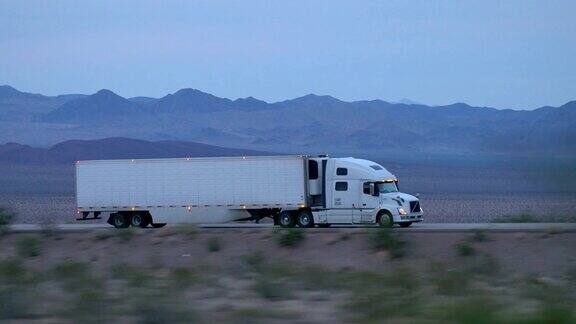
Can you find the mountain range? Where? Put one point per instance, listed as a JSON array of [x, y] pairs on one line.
[[311, 123]]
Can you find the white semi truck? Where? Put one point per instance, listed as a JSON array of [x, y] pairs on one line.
[[302, 191]]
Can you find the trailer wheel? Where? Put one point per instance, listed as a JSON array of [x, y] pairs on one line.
[[305, 219], [286, 219], [138, 220], [405, 224], [385, 219], [120, 220]]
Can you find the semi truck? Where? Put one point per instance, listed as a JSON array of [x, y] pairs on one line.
[[301, 190]]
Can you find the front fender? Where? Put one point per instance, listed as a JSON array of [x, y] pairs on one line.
[[391, 208]]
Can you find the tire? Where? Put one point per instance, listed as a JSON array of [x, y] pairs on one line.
[[120, 220], [138, 220], [324, 225], [305, 219], [385, 219], [158, 225], [405, 224], [286, 219]]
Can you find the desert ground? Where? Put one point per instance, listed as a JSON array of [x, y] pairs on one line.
[[187, 274]]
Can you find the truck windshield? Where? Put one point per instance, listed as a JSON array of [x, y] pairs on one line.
[[386, 187]]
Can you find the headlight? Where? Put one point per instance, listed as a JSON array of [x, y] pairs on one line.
[[401, 211]]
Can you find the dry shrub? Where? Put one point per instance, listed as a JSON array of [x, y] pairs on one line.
[[28, 247], [6, 217], [290, 237], [384, 239]]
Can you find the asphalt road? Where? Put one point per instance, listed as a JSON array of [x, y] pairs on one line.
[[422, 227]]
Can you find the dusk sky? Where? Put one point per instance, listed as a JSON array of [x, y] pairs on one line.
[[504, 54]]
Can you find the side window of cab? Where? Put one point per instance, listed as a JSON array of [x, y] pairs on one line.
[[341, 171], [341, 186]]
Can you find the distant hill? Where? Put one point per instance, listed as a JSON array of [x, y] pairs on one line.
[[23, 106], [406, 101], [14, 153], [190, 101], [112, 148], [311, 123], [94, 108], [142, 100]]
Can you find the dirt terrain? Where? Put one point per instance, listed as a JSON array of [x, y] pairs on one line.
[[182, 274]]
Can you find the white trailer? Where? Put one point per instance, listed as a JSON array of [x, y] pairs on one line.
[[293, 190]]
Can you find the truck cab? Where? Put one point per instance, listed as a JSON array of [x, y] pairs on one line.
[[358, 191]]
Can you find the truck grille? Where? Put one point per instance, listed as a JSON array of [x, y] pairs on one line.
[[414, 206]]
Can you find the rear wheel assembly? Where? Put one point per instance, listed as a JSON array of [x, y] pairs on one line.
[[138, 220], [120, 220], [305, 219], [286, 219]]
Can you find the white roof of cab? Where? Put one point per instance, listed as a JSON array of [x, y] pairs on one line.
[[362, 169]]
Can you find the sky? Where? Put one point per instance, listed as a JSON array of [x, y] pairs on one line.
[[503, 54]]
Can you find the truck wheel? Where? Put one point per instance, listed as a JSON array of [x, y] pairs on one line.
[[305, 219], [286, 219], [405, 224], [120, 221], [138, 220], [385, 219]]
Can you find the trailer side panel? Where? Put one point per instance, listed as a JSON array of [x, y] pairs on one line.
[[276, 181]]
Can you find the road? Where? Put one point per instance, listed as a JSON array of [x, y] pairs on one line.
[[423, 227]]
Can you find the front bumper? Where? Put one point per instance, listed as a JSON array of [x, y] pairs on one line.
[[412, 217]]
